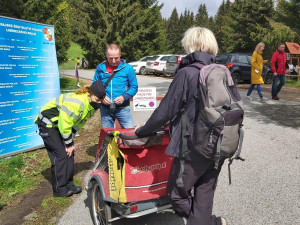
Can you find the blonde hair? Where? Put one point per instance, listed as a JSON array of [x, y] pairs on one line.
[[200, 39], [84, 89], [260, 44]]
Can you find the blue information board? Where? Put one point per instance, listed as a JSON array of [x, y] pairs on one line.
[[29, 78]]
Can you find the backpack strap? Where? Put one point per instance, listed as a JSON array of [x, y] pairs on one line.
[[110, 78], [183, 147], [196, 65], [238, 152]]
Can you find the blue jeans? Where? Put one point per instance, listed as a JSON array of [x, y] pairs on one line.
[[108, 117], [275, 86], [258, 88]]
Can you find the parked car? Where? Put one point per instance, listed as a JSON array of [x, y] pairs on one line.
[[239, 65], [140, 65], [156, 64], [172, 64]]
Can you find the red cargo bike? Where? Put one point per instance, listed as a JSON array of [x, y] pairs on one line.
[[130, 176]]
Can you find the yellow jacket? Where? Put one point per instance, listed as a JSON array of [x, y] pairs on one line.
[[68, 112], [256, 68]]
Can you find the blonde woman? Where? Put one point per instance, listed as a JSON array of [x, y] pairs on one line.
[[58, 122], [199, 173], [256, 71]]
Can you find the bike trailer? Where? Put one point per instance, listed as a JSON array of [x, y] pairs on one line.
[[138, 169]]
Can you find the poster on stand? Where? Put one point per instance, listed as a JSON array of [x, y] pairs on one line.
[[29, 78], [145, 99]]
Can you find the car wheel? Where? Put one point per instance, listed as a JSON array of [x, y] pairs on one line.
[[235, 78], [268, 78], [101, 212], [142, 70], [168, 74]]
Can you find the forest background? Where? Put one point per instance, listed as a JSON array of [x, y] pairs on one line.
[[138, 27]]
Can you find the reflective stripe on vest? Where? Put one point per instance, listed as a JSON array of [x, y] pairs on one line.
[[66, 136], [69, 113], [45, 119]]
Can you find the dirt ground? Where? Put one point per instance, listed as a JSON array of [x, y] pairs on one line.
[[86, 145]]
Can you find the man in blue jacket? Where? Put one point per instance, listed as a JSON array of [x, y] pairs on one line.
[[119, 90]]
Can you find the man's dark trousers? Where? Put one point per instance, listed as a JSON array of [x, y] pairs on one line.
[[62, 166], [203, 177]]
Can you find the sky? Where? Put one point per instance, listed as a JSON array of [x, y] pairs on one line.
[[212, 6]]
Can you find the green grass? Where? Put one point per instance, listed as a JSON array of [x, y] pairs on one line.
[[69, 84], [73, 52], [21, 173], [293, 83]]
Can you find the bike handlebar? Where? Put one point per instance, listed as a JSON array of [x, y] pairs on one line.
[[133, 137]]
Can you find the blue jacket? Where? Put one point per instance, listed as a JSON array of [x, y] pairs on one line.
[[124, 82]]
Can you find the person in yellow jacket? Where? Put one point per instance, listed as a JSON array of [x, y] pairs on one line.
[[58, 122], [256, 71]]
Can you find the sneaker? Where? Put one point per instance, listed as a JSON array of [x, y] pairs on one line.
[[263, 100], [275, 98], [248, 98], [223, 221]]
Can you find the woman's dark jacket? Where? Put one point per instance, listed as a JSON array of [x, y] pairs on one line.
[[180, 92]]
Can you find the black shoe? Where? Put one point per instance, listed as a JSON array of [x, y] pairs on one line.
[[75, 189], [62, 194]]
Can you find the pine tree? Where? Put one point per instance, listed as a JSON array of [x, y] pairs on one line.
[[137, 28], [242, 30], [173, 32], [202, 19], [12, 8], [288, 13], [53, 12], [221, 19]]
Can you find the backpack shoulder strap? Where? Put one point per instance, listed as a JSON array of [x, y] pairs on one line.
[[197, 65], [183, 147], [110, 78]]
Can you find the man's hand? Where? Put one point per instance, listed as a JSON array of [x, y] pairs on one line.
[[265, 61], [275, 74], [119, 100], [106, 101], [70, 150]]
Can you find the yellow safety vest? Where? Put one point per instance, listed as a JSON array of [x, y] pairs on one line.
[[68, 112]]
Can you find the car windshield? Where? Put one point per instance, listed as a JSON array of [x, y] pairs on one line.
[[173, 58], [222, 58], [153, 58], [164, 58], [145, 58], [242, 59]]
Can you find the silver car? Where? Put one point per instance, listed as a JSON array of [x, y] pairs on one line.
[[156, 64], [172, 64]]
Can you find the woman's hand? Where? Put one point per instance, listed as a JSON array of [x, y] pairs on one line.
[[137, 127], [70, 150]]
